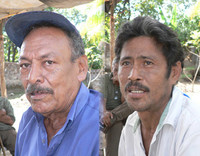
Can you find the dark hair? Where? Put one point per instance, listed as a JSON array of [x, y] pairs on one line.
[[76, 42], [163, 35]]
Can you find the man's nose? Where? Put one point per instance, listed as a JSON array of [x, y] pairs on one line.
[[135, 73], [35, 75]]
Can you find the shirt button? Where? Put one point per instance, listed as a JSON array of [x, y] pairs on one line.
[[43, 141]]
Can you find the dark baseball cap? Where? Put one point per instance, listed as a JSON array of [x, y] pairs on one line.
[[18, 26]]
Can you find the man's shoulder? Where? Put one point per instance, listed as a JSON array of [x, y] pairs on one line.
[[185, 105], [4, 100], [184, 113], [26, 117], [95, 99], [190, 111], [5, 103]]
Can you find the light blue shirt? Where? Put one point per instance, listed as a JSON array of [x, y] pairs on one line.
[[78, 137]]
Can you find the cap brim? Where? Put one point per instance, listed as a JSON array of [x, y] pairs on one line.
[[19, 25]]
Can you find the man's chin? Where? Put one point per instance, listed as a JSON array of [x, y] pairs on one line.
[[135, 104], [40, 110]]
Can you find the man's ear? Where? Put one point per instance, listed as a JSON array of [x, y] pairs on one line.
[[176, 72], [83, 67]]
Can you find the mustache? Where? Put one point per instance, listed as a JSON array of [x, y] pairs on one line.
[[34, 88], [137, 85]]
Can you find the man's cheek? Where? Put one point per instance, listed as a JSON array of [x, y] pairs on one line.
[[24, 81]]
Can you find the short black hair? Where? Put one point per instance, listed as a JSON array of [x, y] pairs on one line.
[[162, 34]]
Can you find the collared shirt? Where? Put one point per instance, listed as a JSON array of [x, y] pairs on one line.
[[78, 137], [5, 104], [111, 92], [177, 134]]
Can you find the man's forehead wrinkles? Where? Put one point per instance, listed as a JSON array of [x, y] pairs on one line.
[[48, 55], [38, 57], [138, 57]]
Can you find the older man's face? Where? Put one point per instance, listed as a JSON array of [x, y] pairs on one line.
[[49, 77]]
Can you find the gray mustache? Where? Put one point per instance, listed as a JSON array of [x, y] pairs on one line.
[[137, 85], [34, 88]]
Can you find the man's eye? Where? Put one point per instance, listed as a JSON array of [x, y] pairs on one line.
[[49, 62], [125, 63], [24, 65], [146, 63]]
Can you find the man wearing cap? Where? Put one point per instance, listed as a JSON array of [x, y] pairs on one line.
[[64, 115]]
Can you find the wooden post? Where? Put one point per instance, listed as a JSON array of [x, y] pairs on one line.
[[2, 63], [112, 31], [1, 144]]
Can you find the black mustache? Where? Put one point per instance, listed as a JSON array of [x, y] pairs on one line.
[[137, 85], [33, 88]]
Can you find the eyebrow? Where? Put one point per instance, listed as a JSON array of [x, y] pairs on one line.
[[125, 58], [23, 58], [49, 55], [140, 57]]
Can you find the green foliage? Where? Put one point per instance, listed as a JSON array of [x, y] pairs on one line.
[[11, 53], [185, 26], [93, 54], [93, 27], [122, 14], [194, 41], [194, 36], [73, 14], [181, 15], [173, 19], [146, 7], [92, 33]]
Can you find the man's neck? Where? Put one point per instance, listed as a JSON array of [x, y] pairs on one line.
[[53, 123], [149, 122]]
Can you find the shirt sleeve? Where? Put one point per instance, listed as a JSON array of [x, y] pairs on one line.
[[190, 146]]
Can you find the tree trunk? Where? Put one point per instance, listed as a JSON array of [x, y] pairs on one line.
[[2, 62], [196, 73], [112, 31], [14, 52], [9, 54]]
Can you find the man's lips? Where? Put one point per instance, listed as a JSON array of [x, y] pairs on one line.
[[135, 92], [136, 89], [38, 95], [38, 92]]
